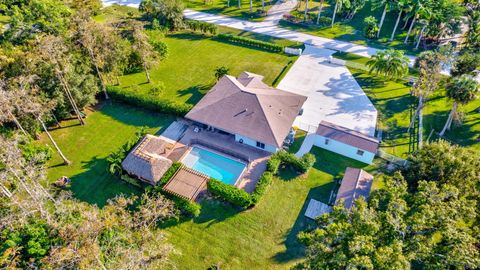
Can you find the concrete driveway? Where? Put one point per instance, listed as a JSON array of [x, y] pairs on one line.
[[333, 94]]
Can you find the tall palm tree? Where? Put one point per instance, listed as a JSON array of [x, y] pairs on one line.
[[338, 7], [461, 90], [320, 11], [387, 5], [419, 10], [306, 11], [401, 5], [392, 64]]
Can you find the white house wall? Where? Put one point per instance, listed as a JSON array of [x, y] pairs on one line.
[[251, 142], [344, 149]]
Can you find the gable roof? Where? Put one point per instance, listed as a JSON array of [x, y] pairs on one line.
[[145, 160], [246, 106], [348, 136], [355, 183]]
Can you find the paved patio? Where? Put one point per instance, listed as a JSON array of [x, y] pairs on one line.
[[226, 144]]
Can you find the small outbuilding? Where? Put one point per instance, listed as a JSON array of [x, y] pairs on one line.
[[346, 142], [355, 183], [146, 160], [187, 183]]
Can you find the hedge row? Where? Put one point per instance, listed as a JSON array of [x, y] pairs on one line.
[[265, 180], [302, 164], [251, 42], [169, 173], [203, 27], [146, 101], [229, 193]]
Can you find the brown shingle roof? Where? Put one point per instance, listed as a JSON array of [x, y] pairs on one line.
[[145, 160], [355, 183], [187, 183], [250, 108], [348, 136]]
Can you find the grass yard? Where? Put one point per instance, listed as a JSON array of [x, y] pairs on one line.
[[87, 146], [188, 72], [393, 101], [263, 237], [297, 143], [260, 238], [352, 31], [230, 8]]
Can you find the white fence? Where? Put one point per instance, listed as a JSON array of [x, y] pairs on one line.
[[305, 127], [336, 61], [391, 158], [293, 51]]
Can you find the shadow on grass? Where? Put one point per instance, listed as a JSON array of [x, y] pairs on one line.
[[196, 92], [187, 36]]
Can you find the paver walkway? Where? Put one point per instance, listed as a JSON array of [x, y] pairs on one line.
[[333, 94], [307, 144]]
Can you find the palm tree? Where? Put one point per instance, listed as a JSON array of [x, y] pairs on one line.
[[401, 5], [392, 64], [338, 6], [7, 107], [387, 5], [419, 10], [65, 160], [424, 24], [306, 11], [251, 6], [461, 90], [320, 11]]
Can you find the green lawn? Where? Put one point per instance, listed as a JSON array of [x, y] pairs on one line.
[[221, 7], [188, 72], [87, 147], [260, 238], [352, 31], [297, 143], [263, 237], [393, 102]]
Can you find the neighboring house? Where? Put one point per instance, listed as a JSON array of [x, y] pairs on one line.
[[346, 142], [245, 107], [355, 183], [146, 162]]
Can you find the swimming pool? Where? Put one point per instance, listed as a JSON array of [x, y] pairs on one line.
[[214, 165]]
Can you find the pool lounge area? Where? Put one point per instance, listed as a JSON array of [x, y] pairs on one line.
[[213, 164]]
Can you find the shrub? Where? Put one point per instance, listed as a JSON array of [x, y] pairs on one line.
[[273, 164], [115, 159], [325, 21], [155, 24], [39, 154], [229, 193], [220, 72], [157, 89], [202, 27], [169, 173], [370, 27], [161, 48], [146, 101], [130, 180], [187, 207], [262, 184], [250, 42]]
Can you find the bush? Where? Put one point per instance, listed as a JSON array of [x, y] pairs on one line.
[[370, 27], [39, 154], [187, 207], [202, 27], [161, 48], [146, 101], [324, 21], [130, 180], [169, 173], [250, 42], [262, 184], [273, 164], [115, 159], [221, 71], [157, 89], [229, 193]]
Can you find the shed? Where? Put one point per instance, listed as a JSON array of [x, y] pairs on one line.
[[355, 183]]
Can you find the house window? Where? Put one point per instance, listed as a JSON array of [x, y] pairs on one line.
[[260, 145], [360, 152], [327, 141]]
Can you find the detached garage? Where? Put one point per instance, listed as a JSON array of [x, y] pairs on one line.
[[346, 142]]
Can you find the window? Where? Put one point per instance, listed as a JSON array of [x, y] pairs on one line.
[[260, 145], [327, 141], [360, 152]]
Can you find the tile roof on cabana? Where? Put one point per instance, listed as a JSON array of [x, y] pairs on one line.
[[355, 183], [146, 162], [187, 184], [247, 106]]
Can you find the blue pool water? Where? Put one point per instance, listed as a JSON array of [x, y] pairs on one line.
[[214, 165]]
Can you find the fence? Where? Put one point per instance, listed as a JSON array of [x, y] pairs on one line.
[[391, 158], [292, 51], [306, 127]]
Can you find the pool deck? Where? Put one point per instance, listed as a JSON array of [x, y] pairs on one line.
[[226, 144]]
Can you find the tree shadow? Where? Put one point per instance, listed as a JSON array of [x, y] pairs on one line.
[[187, 36], [196, 92]]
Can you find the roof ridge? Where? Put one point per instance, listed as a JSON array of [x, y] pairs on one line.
[[268, 120], [353, 133]]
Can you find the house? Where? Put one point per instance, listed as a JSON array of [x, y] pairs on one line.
[[346, 142], [245, 107], [355, 183], [147, 161]]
